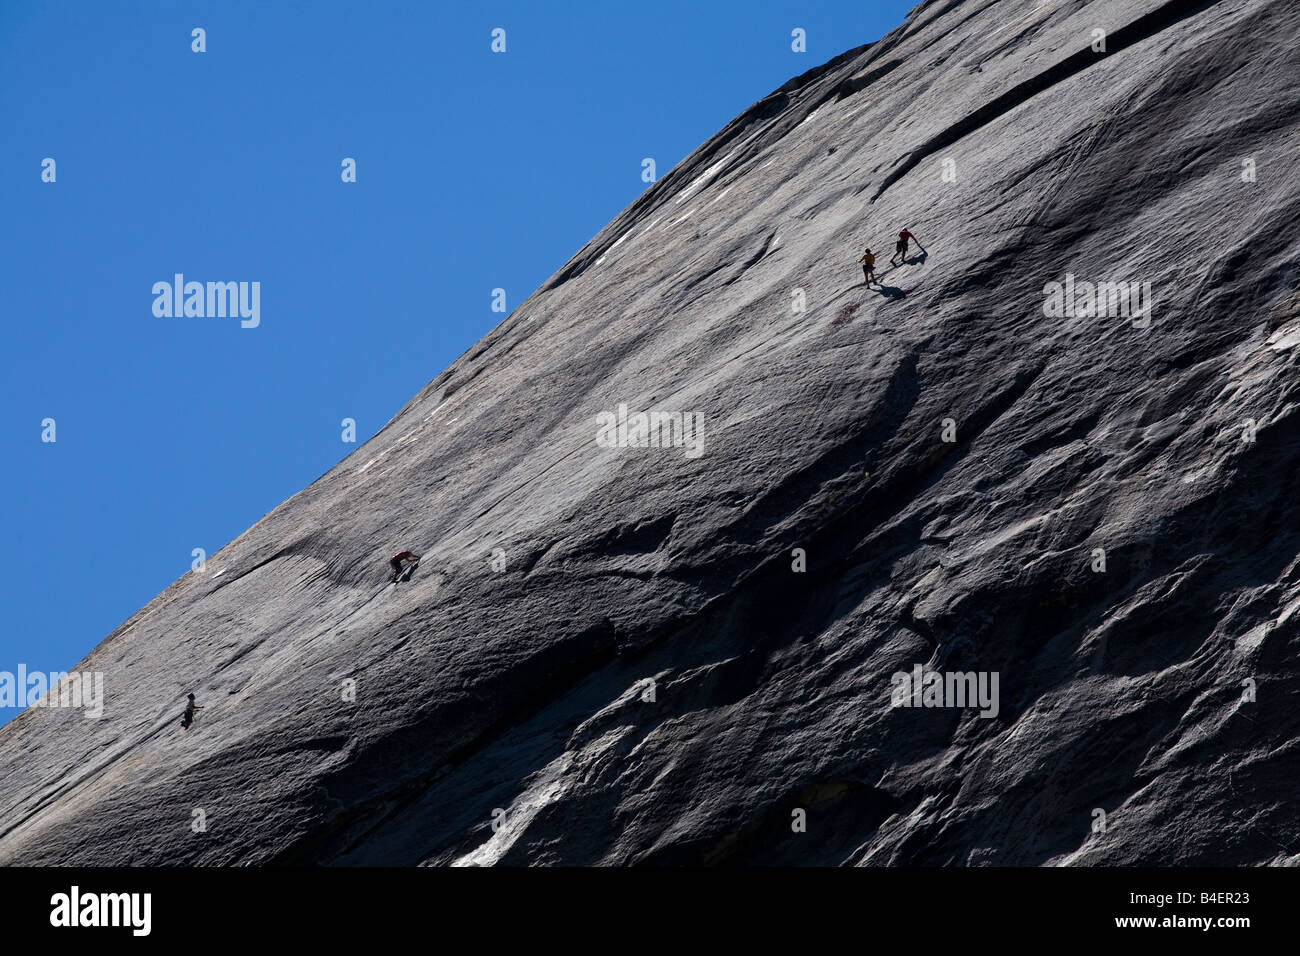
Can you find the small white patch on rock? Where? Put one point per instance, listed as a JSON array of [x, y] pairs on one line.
[[1285, 338]]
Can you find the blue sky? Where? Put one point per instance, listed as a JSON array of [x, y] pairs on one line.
[[475, 171]]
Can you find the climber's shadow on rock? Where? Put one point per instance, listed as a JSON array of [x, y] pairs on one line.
[[890, 291], [406, 575]]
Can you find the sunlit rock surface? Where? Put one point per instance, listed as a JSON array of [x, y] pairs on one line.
[[615, 647]]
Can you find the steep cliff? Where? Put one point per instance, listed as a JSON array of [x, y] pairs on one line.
[[661, 654]]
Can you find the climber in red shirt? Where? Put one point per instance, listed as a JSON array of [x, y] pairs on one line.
[[900, 248], [396, 562]]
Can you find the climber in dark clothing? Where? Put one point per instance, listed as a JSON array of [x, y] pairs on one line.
[[190, 708], [900, 247], [396, 562]]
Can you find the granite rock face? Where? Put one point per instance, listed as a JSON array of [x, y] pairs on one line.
[[674, 655]]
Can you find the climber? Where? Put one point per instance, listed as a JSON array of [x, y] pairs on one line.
[[901, 248], [396, 562], [868, 266], [190, 708]]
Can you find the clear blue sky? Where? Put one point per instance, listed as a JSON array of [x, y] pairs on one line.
[[474, 171]]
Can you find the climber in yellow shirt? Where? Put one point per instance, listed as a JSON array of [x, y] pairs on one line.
[[869, 266]]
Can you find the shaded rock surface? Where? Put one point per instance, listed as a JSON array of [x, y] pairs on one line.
[[525, 689]]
